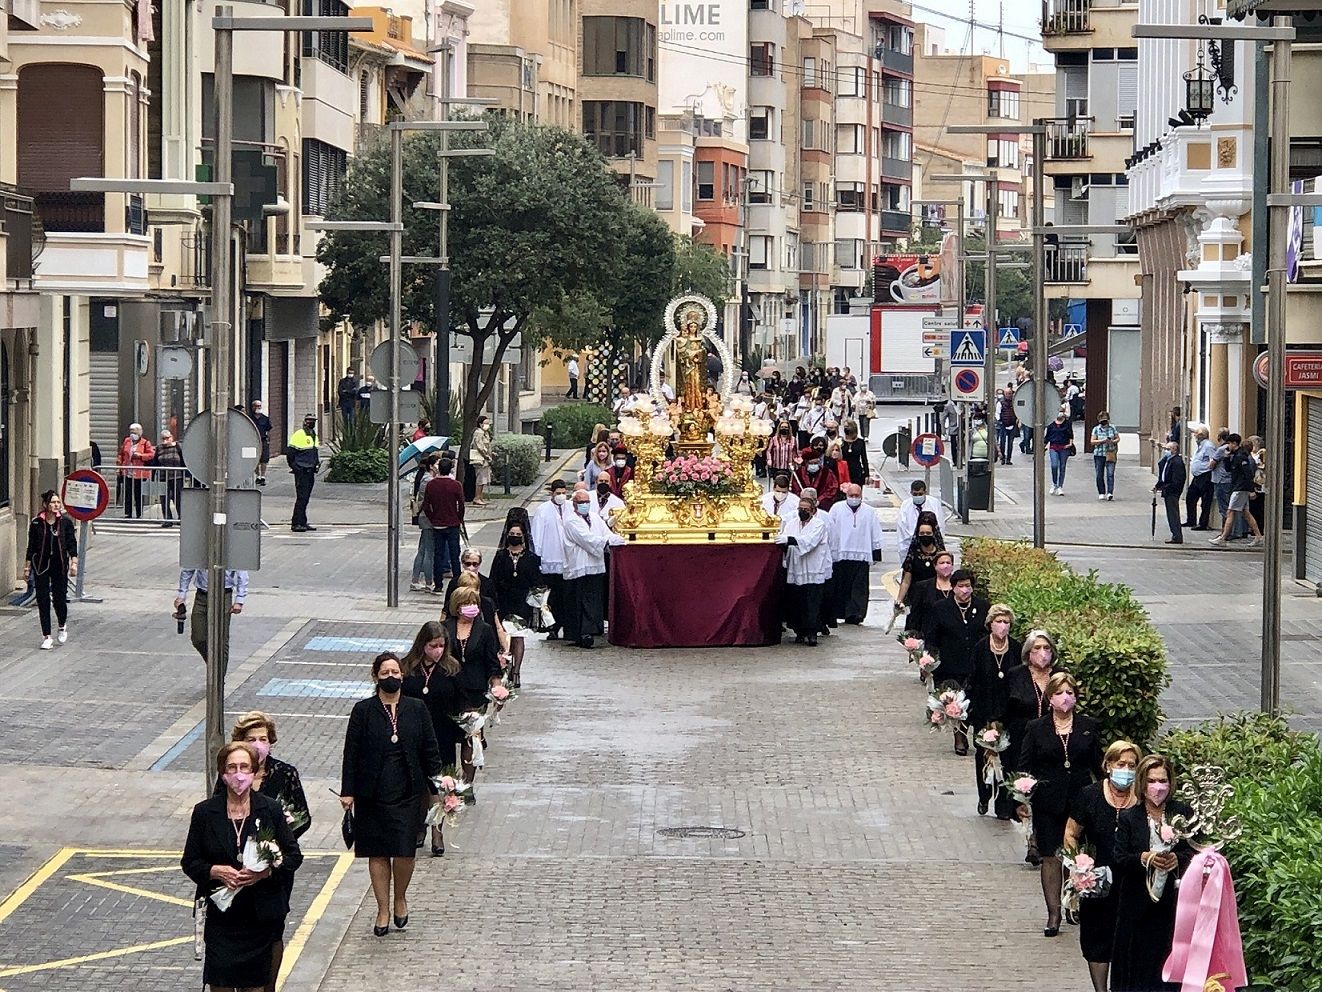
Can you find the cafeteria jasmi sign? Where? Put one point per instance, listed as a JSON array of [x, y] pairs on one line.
[[1303, 370]]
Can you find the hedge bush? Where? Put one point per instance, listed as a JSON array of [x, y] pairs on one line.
[[370, 465], [1247, 746], [572, 423], [1102, 632], [523, 453]]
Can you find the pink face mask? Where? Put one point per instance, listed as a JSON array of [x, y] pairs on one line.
[[1040, 657], [434, 653], [239, 782], [1000, 628], [262, 748], [945, 569], [1062, 702], [470, 612], [1157, 792]]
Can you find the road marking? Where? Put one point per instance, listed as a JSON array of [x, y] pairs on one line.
[[35, 881], [98, 879], [316, 689], [119, 952], [364, 644], [313, 916]]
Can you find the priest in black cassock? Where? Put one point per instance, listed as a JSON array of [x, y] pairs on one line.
[[586, 539], [855, 545], [953, 629]]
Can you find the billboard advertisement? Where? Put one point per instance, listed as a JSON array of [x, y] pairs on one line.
[[702, 46]]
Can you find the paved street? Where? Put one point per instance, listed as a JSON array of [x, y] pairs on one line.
[[836, 843]]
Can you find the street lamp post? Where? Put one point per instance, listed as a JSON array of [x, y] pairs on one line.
[[1279, 201]]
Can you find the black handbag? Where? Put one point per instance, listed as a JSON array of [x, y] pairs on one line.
[[346, 829]]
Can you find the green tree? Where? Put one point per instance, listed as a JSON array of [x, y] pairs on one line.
[[702, 269], [537, 228]]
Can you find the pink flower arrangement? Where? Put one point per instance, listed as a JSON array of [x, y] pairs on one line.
[[991, 735], [690, 474], [938, 719], [950, 705], [1167, 834], [1084, 861], [1025, 783], [912, 644], [1020, 785], [451, 802], [953, 710], [499, 692], [447, 783]]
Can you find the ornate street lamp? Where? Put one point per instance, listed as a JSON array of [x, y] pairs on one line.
[[1198, 90]]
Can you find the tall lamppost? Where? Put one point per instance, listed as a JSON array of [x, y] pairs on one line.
[[1279, 201]]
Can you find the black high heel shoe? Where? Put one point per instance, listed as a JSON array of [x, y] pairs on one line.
[[401, 921], [1050, 931], [438, 850], [380, 931]]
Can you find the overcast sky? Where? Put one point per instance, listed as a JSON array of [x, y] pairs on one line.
[[1020, 18]]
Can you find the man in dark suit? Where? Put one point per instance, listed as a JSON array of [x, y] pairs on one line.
[[1171, 474]]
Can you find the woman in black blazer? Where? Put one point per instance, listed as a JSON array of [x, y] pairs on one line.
[[516, 570], [51, 560], [1145, 926], [995, 658], [1026, 700], [242, 941], [1063, 751], [475, 645], [390, 756], [431, 674]]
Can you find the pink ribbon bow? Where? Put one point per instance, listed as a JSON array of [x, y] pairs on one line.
[[1207, 942]]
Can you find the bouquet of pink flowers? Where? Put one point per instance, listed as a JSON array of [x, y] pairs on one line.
[[449, 803], [1084, 878], [1020, 785], [690, 475], [1162, 838], [913, 645], [928, 663], [993, 739], [948, 707]]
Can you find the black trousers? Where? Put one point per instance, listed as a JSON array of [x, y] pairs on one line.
[[51, 586], [585, 606], [304, 479], [573, 388], [174, 488], [132, 497], [805, 608], [1172, 501], [197, 627], [1201, 491], [849, 587]]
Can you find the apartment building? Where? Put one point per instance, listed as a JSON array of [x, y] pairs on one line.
[[1089, 138], [524, 55]]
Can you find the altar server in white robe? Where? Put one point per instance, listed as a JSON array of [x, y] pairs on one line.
[[855, 545], [605, 503], [779, 503], [807, 567], [548, 537], [586, 539]]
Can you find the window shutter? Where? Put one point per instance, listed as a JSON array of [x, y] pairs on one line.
[[1126, 97]]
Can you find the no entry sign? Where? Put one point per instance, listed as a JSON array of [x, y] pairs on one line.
[[965, 385], [85, 494], [928, 449]]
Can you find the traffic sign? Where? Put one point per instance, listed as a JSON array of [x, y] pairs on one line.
[[243, 528], [378, 408], [1072, 331], [1303, 369], [968, 346], [379, 362], [1025, 402], [940, 323], [85, 494], [966, 385], [928, 449], [934, 351], [935, 337], [241, 437], [1008, 338], [1260, 369]]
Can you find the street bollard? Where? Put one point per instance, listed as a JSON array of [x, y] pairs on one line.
[[508, 463], [550, 430]]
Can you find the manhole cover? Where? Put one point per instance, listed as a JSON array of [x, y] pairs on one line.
[[719, 833]]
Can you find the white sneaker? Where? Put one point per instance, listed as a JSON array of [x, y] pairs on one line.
[[416, 586], [62, 635], [1110, 497], [47, 644], [1101, 496], [1218, 540], [1060, 491], [1255, 542]]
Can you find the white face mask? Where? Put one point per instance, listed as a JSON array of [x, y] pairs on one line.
[[559, 499], [621, 462], [854, 501], [135, 438]]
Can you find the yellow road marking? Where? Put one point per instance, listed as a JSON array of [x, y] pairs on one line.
[[112, 853], [120, 952], [94, 878], [36, 881], [312, 917]]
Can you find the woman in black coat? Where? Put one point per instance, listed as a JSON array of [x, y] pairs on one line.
[[242, 941], [1095, 819], [954, 627], [475, 645], [516, 571], [1144, 925], [1063, 751], [390, 756], [919, 565], [995, 659], [51, 560]]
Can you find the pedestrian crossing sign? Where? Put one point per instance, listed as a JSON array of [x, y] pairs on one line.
[[1009, 338], [968, 346]]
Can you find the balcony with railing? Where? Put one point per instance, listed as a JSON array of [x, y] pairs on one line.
[[87, 250], [896, 168], [1068, 139], [892, 114], [1066, 262], [1066, 17], [895, 60], [896, 221]]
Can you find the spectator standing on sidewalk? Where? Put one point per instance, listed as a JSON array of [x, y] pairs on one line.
[[479, 456], [1242, 471], [236, 592], [421, 579], [571, 368], [1170, 486], [51, 560], [170, 457], [1258, 501], [1059, 439], [1221, 475], [1007, 425], [347, 393], [1201, 490], [135, 451], [304, 459], [264, 425], [1105, 448], [443, 503]]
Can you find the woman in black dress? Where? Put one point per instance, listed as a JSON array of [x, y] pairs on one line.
[[995, 658], [1026, 692], [276, 780], [1063, 751], [854, 452], [516, 570], [1095, 819], [1145, 925], [430, 669], [919, 566], [954, 627], [390, 754], [241, 941], [474, 644]]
